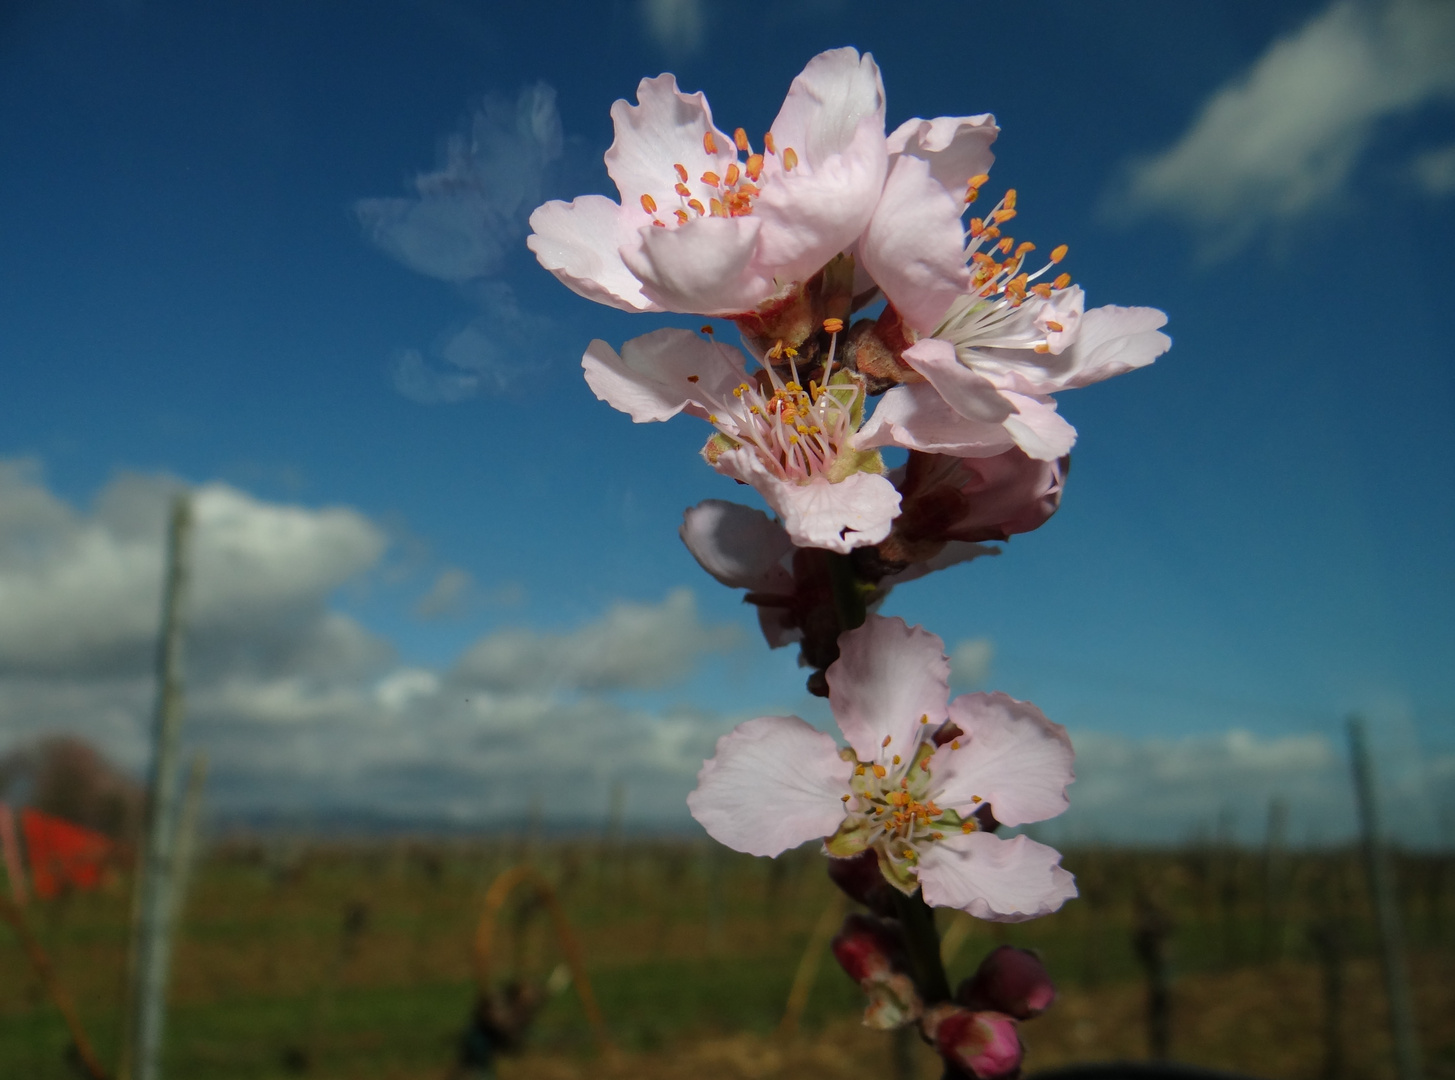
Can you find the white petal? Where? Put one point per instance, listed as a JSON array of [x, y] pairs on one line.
[[888, 675], [1010, 756], [1113, 340], [664, 130], [581, 242], [657, 375], [995, 879], [858, 510], [916, 417], [773, 783], [914, 246], [956, 147], [821, 115], [1038, 428], [704, 267], [743, 548], [970, 394]]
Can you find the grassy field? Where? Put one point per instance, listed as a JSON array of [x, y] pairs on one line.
[[334, 960]]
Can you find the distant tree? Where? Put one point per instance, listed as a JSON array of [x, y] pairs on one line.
[[66, 776]]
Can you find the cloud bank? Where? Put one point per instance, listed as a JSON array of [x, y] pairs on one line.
[[1281, 140]]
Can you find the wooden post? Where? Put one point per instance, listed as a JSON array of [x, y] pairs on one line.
[[155, 893], [1386, 910]]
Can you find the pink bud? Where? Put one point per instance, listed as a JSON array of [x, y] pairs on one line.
[[984, 1044], [872, 952], [1009, 980]]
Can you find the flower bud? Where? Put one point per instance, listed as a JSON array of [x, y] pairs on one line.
[[860, 878], [872, 952], [1009, 980], [983, 1044]]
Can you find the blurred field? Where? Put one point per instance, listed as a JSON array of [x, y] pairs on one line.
[[353, 961]]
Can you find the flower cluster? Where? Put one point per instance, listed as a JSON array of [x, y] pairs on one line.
[[876, 308]]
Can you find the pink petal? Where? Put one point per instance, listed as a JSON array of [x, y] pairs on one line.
[[1038, 428], [956, 147], [1010, 756], [1113, 340], [995, 879], [858, 510], [704, 267], [657, 375], [914, 247], [580, 242], [815, 211], [969, 393], [835, 92], [888, 675], [914, 416], [664, 130], [743, 548], [772, 784]]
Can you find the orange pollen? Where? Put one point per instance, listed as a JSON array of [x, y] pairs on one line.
[[681, 172], [694, 378], [754, 168], [1061, 281], [1025, 247], [978, 180], [693, 204], [896, 759], [709, 143], [993, 231], [1006, 244], [768, 143], [707, 329], [976, 799], [886, 740], [683, 190], [845, 797], [740, 138], [681, 216], [955, 744], [977, 226], [649, 204], [1010, 199], [717, 209], [659, 223], [833, 326], [732, 174], [1054, 326], [711, 179], [790, 159], [1043, 348], [880, 771], [1003, 215], [1043, 290], [968, 827], [971, 195], [1058, 253], [859, 771]]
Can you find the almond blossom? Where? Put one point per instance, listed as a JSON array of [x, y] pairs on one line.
[[709, 224], [984, 339], [790, 441], [776, 782]]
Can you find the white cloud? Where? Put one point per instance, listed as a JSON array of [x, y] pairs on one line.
[[634, 646], [464, 216], [676, 26], [970, 662], [1282, 139], [1434, 170], [447, 596]]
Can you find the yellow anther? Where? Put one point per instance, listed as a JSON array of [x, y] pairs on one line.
[[1002, 215], [740, 138], [860, 770], [649, 204], [937, 836], [978, 180], [976, 799], [954, 744], [1042, 348], [925, 719], [790, 159], [711, 179], [707, 328], [711, 419], [1010, 199], [683, 190], [715, 205], [1026, 246], [693, 204], [709, 143], [924, 766], [896, 759], [833, 326], [754, 168], [977, 226], [879, 771], [845, 798], [681, 172], [1062, 280], [968, 827], [1006, 244], [693, 378], [1054, 326], [887, 737], [681, 216], [1042, 289], [993, 231], [731, 176], [768, 143], [1058, 253], [971, 195]]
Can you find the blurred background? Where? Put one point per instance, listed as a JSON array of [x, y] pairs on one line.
[[440, 621]]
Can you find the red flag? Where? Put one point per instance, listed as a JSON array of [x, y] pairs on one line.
[[62, 855]]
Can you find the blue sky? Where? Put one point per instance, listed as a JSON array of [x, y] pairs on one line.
[[1256, 534]]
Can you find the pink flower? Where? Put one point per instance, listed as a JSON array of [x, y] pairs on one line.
[[776, 782], [707, 225], [790, 442], [984, 1044], [1011, 981], [986, 341]]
